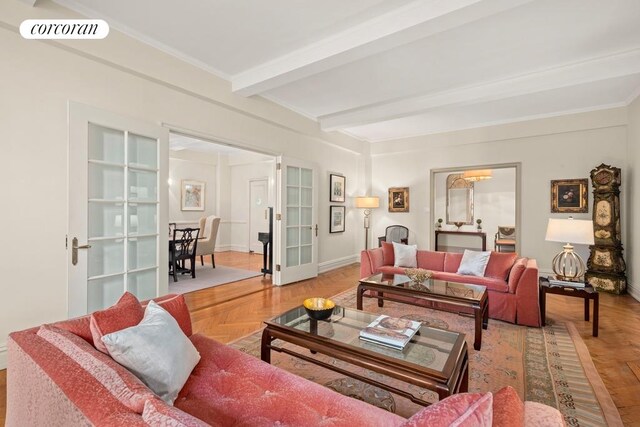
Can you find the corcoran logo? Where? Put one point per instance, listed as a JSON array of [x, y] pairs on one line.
[[64, 29]]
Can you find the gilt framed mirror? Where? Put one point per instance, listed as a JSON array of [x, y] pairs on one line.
[[459, 200]]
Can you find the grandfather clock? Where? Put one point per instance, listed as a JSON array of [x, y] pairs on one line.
[[606, 266]]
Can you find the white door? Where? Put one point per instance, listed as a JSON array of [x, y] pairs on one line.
[[258, 212], [117, 207], [296, 245]]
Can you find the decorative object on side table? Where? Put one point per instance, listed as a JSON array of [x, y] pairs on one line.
[[399, 199], [193, 195], [439, 224], [606, 266], [570, 196], [337, 188], [418, 275], [319, 308], [458, 224], [367, 203], [336, 218], [568, 265], [479, 222]]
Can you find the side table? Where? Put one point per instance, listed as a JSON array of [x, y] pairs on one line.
[[587, 293]]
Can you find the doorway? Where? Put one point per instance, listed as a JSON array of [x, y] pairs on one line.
[[258, 212]]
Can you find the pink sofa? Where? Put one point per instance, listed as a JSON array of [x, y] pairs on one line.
[[512, 282], [57, 377]]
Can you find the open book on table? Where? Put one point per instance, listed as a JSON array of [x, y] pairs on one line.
[[390, 331]]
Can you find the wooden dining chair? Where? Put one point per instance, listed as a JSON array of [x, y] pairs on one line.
[[182, 248]]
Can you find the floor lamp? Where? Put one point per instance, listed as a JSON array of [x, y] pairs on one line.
[[367, 203]]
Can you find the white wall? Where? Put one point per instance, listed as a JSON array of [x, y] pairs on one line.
[[122, 75], [494, 203], [553, 148], [193, 166], [632, 248]]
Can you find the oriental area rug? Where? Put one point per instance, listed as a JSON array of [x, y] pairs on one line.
[[550, 365]]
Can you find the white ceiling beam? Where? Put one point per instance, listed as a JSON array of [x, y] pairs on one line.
[[417, 20], [31, 3], [602, 68]]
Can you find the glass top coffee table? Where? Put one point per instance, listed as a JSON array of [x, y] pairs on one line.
[[469, 298], [435, 359]]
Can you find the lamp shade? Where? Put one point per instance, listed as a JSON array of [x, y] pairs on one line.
[[577, 231], [477, 175], [367, 202]]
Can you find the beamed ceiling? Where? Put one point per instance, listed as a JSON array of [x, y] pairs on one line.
[[388, 69]]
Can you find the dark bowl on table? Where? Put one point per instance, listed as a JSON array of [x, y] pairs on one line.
[[319, 308]]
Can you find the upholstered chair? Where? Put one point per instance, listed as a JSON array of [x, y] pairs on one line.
[[395, 233], [505, 239], [207, 244]]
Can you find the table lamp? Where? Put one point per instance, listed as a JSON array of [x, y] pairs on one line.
[[367, 203], [568, 265]]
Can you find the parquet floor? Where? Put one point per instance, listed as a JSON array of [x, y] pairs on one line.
[[231, 311]]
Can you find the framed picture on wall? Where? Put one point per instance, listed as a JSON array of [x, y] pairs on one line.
[[399, 199], [192, 195], [337, 188], [570, 196], [336, 219]]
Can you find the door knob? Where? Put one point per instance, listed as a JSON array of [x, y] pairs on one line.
[[74, 250]]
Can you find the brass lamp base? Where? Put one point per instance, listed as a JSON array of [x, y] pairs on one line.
[[568, 265]]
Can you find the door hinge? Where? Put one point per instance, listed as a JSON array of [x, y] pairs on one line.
[[277, 267], [278, 166], [278, 217]]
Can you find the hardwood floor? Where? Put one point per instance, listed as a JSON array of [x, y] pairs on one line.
[[231, 311]]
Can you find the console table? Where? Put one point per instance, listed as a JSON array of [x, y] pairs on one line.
[[481, 234]]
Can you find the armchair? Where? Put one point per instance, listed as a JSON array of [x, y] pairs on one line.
[[207, 244], [505, 239], [395, 233]]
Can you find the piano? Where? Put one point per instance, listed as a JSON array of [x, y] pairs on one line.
[[267, 241]]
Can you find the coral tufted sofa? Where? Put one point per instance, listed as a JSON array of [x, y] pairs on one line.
[[512, 281], [56, 377]]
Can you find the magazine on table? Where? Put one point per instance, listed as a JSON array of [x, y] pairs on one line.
[[390, 331], [556, 282]]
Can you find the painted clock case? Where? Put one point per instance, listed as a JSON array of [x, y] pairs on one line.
[[606, 267]]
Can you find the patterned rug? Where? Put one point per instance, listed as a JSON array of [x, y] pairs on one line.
[[549, 365]]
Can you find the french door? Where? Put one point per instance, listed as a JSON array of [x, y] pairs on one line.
[[117, 207], [297, 228]]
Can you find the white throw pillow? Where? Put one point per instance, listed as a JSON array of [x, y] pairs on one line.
[[474, 263], [156, 351], [405, 255]]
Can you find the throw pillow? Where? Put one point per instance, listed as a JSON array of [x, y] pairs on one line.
[[387, 253], [500, 264], [508, 409], [405, 255], [156, 351], [473, 263], [123, 314], [460, 410], [177, 307]]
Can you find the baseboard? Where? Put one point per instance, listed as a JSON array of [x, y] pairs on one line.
[[323, 267], [234, 248], [3, 356], [633, 291]]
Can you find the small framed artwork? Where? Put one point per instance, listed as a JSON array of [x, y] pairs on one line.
[[192, 195], [336, 218], [399, 199], [570, 196], [337, 187]]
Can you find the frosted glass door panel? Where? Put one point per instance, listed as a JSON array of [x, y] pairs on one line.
[[292, 236], [106, 182], [142, 252], [143, 152], [106, 219], [307, 216], [306, 177], [305, 237], [307, 196], [106, 145], [292, 257], [293, 216], [104, 292], [106, 257], [143, 283], [293, 196], [306, 254], [143, 186], [143, 219]]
